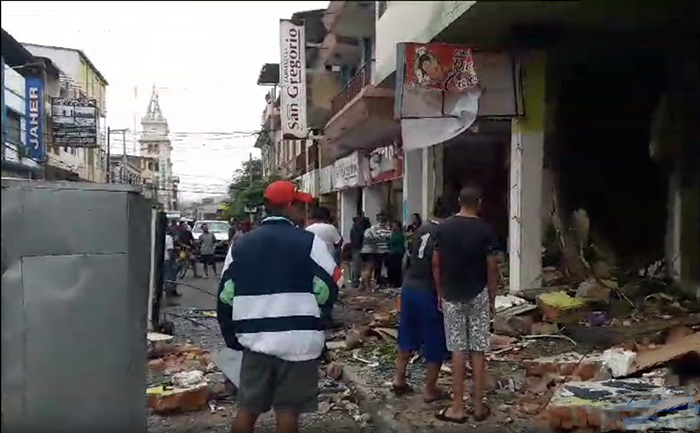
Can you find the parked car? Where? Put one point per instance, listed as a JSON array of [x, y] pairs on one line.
[[220, 231]]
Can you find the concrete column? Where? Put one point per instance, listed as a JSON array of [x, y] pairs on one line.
[[347, 200], [427, 181], [412, 183], [527, 152], [372, 202]]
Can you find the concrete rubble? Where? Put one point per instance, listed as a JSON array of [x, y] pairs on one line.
[[570, 356]]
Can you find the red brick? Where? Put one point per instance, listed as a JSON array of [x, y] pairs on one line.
[[579, 418], [594, 417], [586, 371], [567, 417], [554, 414], [180, 400]]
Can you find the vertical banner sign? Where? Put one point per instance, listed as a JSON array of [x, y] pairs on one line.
[[293, 79], [35, 118]]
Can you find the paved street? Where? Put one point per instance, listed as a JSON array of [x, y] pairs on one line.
[[204, 294], [191, 324]]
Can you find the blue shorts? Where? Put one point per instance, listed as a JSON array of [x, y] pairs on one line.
[[421, 325]]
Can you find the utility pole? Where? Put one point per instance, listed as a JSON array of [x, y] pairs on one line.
[[124, 165], [109, 162], [124, 160], [250, 168]]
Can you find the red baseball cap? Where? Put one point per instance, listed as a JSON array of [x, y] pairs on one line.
[[284, 193]]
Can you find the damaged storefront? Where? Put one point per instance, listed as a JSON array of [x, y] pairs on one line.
[[384, 192]]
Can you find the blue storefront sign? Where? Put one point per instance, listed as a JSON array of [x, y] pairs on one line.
[[36, 149], [2, 95]]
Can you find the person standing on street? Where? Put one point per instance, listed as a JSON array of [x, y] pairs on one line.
[[394, 259], [320, 225], [207, 246], [169, 270], [421, 326], [231, 231], [277, 279], [186, 241], [378, 236], [357, 236], [243, 228], [466, 268]]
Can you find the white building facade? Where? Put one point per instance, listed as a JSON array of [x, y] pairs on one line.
[[79, 79], [155, 143]]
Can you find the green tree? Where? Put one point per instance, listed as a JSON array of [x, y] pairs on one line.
[[246, 189]]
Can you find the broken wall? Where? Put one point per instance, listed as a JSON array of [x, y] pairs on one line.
[[599, 134]]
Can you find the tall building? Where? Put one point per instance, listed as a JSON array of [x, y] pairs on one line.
[[155, 143], [79, 78]]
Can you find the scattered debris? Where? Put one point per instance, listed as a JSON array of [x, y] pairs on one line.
[[168, 399], [554, 305], [620, 405]]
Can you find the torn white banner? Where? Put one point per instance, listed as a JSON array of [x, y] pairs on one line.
[[462, 109]]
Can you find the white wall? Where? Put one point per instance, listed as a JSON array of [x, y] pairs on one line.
[[67, 61], [411, 21]]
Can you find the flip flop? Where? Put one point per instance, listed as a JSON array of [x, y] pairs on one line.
[[399, 390], [441, 396], [484, 415], [442, 416]]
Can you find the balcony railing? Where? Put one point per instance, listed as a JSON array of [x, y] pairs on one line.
[[362, 79]]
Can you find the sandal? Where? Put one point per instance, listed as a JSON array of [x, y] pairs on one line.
[[484, 415], [400, 390], [441, 415]]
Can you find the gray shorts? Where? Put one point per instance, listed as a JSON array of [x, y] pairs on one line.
[[268, 382], [468, 324]]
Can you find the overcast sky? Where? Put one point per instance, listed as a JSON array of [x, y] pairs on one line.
[[203, 56]]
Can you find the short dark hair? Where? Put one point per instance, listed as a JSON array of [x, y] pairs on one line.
[[441, 209], [321, 213], [470, 196], [272, 209]]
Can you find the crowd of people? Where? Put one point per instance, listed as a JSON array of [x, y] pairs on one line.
[[281, 278]]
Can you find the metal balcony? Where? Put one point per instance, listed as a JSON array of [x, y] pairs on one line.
[[362, 79]]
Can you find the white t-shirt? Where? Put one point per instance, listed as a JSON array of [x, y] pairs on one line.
[[168, 246], [328, 234]]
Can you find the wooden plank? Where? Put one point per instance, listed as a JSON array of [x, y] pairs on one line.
[[666, 353]]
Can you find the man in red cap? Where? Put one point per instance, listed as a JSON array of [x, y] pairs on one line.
[[276, 280]]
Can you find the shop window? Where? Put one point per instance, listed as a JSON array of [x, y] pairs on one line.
[[14, 128]]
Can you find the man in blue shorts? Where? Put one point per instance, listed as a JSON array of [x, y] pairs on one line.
[[421, 325]]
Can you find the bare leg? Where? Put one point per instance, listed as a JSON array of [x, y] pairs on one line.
[[456, 410], [402, 360], [479, 379], [431, 391], [244, 422], [287, 422]]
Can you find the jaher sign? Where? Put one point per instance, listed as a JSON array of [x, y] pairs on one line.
[[35, 115]]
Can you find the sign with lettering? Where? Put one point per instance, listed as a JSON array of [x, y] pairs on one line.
[[293, 79], [74, 122], [386, 163], [35, 143], [348, 172]]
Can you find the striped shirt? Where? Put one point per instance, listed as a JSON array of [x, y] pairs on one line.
[[377, 239], [275, 279]]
